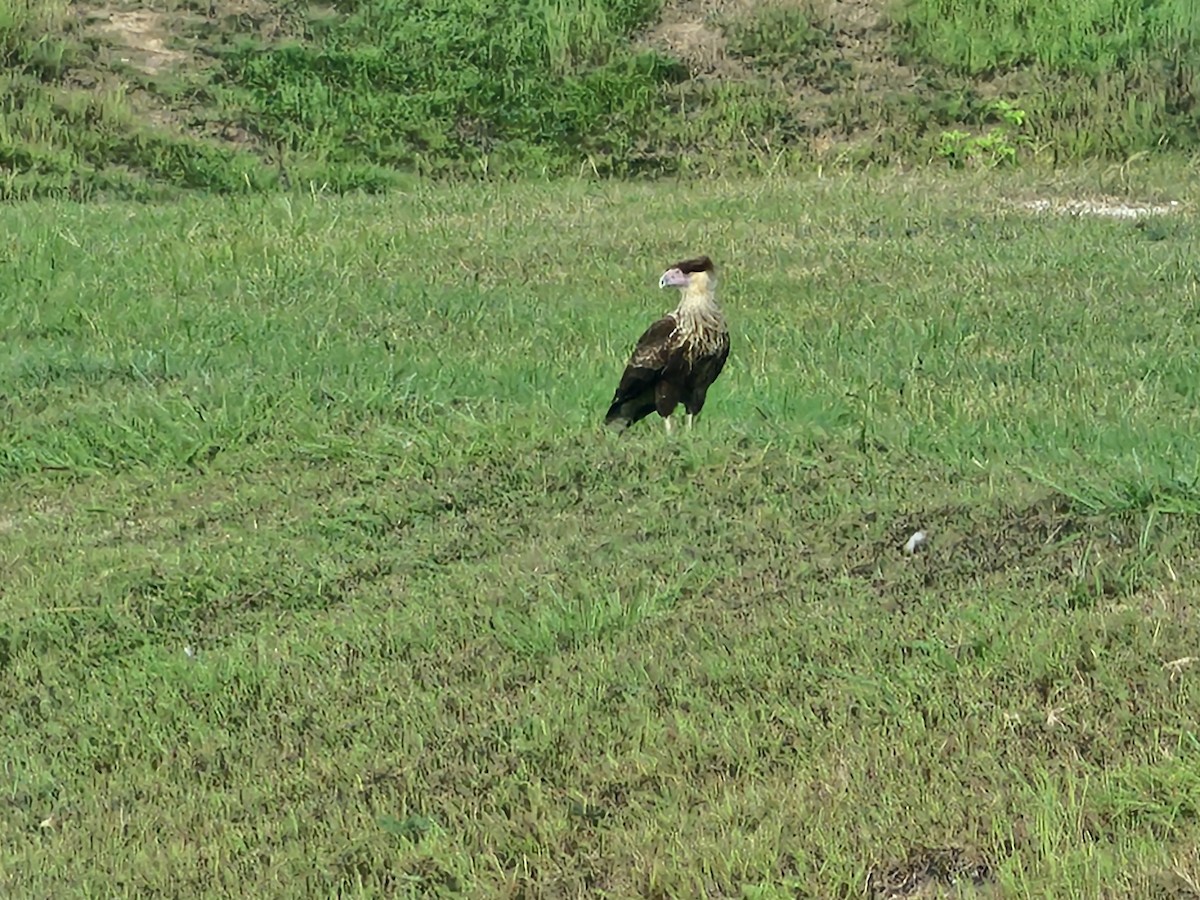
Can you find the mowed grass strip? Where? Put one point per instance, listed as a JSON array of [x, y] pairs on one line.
[[321, 576]]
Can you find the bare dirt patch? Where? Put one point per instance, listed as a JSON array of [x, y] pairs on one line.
[[172, 48], [694, 30], [836, 89], [929, 873], [141, 35], [1101, 206], [700, 45], [690, 31]]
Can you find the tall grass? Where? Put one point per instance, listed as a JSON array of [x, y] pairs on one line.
[[1091, 37], [1097, 77], [76, 141], [455, 86], [32, 51], [369, 94], [576, 34], [80, 142], [23, 23]]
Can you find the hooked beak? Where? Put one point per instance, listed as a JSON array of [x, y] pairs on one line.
[[673, 278]]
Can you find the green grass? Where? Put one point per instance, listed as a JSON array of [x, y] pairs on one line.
[[456, 87], [58, 138], [321, 575], [365, 95], [1107, 77], [781, 37], [1095, 38]]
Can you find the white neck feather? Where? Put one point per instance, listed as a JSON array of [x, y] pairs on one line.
[[700, 296], [698, 317], [698, 299]]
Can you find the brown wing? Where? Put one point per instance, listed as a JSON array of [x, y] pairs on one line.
[[704, 373], [718, 359], [634, 397]]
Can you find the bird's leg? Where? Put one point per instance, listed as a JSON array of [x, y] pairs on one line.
[[667, 422]]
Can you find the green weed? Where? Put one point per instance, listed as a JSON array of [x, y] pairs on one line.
[[489, 86], [997, 147], [1093, 37]]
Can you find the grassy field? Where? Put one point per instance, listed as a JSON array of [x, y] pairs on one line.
[[321, 576]]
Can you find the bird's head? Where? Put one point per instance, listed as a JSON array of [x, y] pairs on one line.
[[690, 275]]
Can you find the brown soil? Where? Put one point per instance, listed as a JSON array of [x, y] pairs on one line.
[[692, 29], [855, 58], [928, 873], [1047, 540], [140, 36], [155, 45]]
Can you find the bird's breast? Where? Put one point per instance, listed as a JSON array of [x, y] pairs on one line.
[[698, 331]]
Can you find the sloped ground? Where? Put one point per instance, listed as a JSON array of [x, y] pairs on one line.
[[849, 59], [141, 34], [162, 63], [696, 32], [153, 95], [165, 57]]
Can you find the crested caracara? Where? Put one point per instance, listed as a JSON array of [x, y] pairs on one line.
[[679, 356]]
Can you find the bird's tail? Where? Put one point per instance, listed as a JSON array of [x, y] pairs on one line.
[[616, 420], [624, 412]]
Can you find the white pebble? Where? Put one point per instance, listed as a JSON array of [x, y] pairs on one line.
[[914, 542]]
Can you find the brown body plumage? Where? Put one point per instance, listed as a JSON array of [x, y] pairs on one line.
[[679, 356]]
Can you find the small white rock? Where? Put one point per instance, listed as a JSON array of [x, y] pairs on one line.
[[914, 542]]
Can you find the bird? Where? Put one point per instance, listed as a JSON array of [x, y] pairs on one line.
[[678, 357]]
